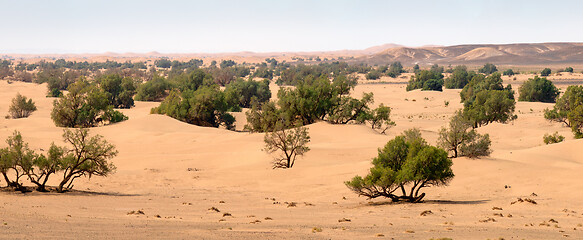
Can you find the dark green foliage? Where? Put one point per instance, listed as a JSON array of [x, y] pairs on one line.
[[575, 117], [120, 91], [292, 75], [373, 75], [263, 72], [153, 90], [436, 68], [57, 79], [21, 107], [395, 69], [291, 142], [406, 162], [433, 85], [569, 69], [244, 92], [554, 138], [163, 63], [264, 118], [479, 83], [508, 72], [486, 100], [569, 101], [191, 80], [459, 78], [488, 69], [490, 106], [84, 106], [351, 109], [227, 63], [205, 107], [538, 90], [416, 68], [312, 100], [426, 80], [545, 72]]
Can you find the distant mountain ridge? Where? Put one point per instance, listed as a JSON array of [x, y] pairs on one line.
[[518, 54]]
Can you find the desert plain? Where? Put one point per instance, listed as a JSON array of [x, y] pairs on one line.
[[180, 181]]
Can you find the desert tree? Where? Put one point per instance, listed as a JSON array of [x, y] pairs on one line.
[[569, 101], [459, 77], [21, 107], [461, 139], [16, 157], [84, 106], [488, 68], [538, 90], [89, 156], [290, 142], [451, 138], [43, 167], [405, 164], [381, 118], [508, 72], [546, 72], [426, 80], [568, 69], [486, 100]]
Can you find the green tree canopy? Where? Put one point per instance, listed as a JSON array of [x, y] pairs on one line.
[[538, 90]]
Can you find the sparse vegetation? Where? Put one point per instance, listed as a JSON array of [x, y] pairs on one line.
[[460, 137], [21, 107], [407, 161], [568, 109], [508, 72], [553, 138], [88, 157], [545, 72], [426, 80], [291, 142], [488, 69]]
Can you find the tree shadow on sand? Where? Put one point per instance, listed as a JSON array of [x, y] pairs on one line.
[[448, 202], [52, 192]]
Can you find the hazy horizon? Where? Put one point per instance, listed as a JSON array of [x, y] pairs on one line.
[[96, 27]]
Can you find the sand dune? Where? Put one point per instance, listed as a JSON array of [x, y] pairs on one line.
[[175, 172]]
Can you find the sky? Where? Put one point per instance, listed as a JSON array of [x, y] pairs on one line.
[[214, 26]]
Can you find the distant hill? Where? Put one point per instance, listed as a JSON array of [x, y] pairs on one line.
[[524, 54], [515, 54]]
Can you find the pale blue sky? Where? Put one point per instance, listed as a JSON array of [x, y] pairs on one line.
[[169, 26]]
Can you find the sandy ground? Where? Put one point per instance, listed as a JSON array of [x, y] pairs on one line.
[[175, 173]]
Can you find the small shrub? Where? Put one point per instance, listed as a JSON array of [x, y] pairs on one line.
[[21, 107], [545, 72], [569, 69], [554, 138], [478, 145], [508, 72]]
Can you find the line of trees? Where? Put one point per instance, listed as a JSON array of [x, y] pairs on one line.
[[83, 156]]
